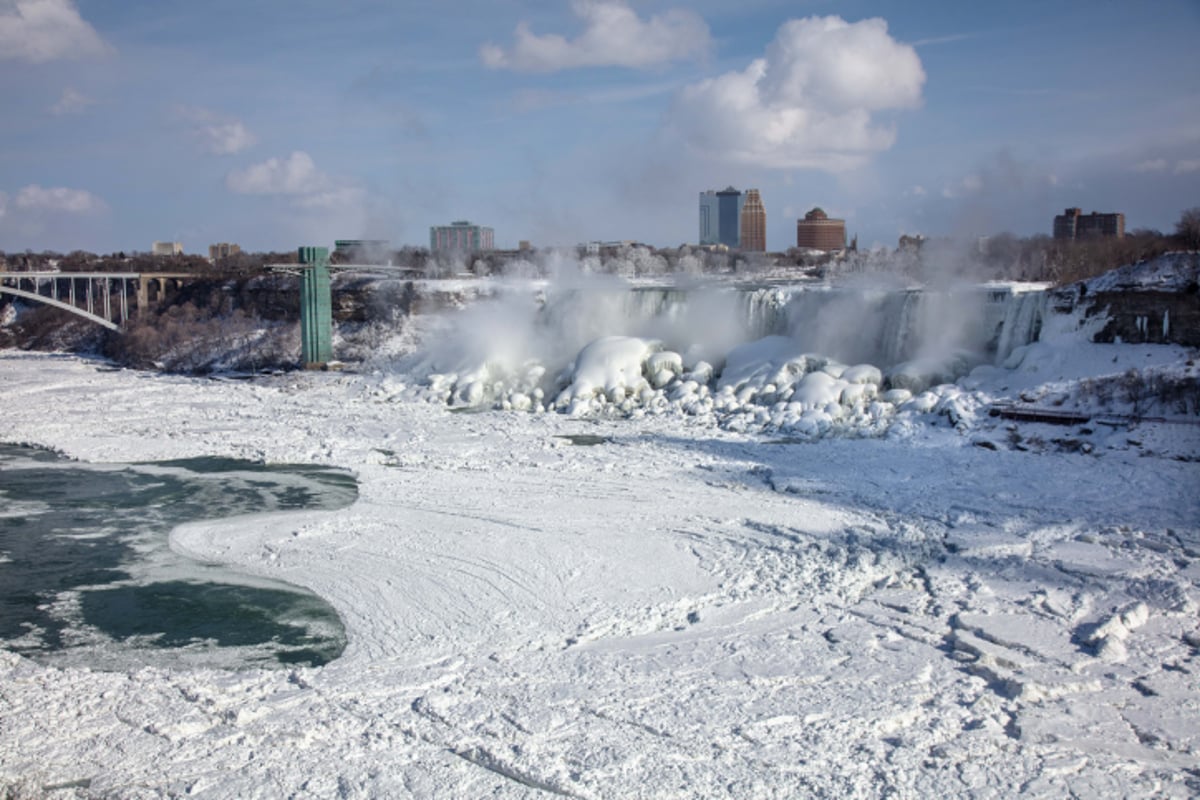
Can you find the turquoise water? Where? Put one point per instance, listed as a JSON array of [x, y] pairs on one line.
[[87, 577]]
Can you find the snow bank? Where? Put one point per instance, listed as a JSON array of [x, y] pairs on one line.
[[1170, 272], [678, 611]]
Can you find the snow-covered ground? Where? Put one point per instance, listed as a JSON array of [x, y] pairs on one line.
[[943, 604]]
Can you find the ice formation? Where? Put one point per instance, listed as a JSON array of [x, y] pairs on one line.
[[767, 358]]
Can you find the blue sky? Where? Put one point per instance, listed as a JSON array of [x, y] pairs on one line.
[[275, 124]]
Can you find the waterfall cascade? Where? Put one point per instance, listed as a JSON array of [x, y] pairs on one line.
[[882, 327], [1022, 323], [585, 350]]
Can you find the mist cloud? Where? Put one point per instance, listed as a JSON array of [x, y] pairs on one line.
[[1003, 193], [808, 103], [46, 30], [614, 37]]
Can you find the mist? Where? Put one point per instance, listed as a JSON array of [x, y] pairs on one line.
[[524, 333]]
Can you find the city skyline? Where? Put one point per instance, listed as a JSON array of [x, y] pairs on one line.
[[283, 124]]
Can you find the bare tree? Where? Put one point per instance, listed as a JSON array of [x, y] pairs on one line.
[[1187, 230]]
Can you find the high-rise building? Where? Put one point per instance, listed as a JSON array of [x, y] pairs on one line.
[[818, 232], [1074, 224], [729, 216], [721, 216], [708, 217], [461, 237], [753, 223], [166, 248], [222, 250]]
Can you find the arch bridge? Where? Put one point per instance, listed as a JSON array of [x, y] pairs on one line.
[[101, 297]]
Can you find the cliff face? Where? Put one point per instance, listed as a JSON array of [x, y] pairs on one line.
[[1149, 317], [1153, 302]]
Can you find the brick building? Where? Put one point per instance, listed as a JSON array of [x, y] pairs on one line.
[[753, 223], [818, 232], [1074, 224]]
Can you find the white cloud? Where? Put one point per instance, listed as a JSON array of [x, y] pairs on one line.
[[1181, 167], [46, 30], [614, 37], [808, 103], [296, 174], [217, 134], [969, 185], [3, 204], [333, 197], [75, 201], [298, 178], [71, 102], [227, 138], [319, 204], [538, 99]]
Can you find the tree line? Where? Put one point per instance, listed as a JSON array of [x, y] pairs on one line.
[[1001, 257]]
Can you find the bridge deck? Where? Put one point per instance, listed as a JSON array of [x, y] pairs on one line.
[[95, 304], [129, 276]]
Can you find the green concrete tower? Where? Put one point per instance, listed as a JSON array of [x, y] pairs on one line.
[[316, 308]]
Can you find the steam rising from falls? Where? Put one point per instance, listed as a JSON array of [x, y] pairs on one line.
[[801, 358]]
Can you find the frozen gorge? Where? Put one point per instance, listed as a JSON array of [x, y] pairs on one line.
[[800, 559]]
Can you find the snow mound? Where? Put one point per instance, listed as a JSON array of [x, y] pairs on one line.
[[609, 368]]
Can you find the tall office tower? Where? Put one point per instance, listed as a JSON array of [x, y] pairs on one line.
[[729, 216], [753, 223], [708, 217]]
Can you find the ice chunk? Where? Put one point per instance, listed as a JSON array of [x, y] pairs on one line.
[[858, 392], [863, 373], [610, 367], [758, 358], [896, 396], [817, 390], [665, 360]]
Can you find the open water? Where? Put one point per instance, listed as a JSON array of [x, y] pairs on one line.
[[87, 577]]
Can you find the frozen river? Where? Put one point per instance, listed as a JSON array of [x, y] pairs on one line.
[[678, 610], [88, 577]]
